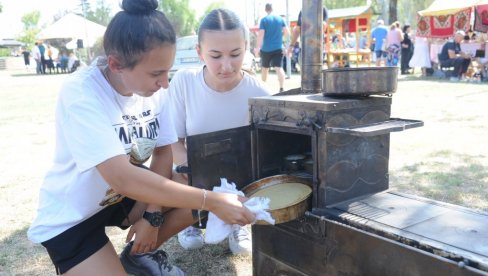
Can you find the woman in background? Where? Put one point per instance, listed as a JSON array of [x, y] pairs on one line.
[[393, 45], [407, 50], [421, 55]]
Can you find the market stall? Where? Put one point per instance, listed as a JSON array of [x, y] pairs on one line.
[[352, 24], [443, 18]]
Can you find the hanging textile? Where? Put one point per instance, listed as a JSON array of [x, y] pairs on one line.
[[462, 20], [423, 26], [443, 26], [481, 19]]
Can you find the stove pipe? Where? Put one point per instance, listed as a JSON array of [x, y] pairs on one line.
[[312, 46]]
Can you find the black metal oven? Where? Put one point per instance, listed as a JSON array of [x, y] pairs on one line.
[[355, 226]]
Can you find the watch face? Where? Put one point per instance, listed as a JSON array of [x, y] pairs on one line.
[[155, 219]]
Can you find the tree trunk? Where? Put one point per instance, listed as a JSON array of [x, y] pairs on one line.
[[393, 11]]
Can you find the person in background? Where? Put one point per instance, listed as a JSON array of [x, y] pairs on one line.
[[200, 97], [110, 118], [407, 50], [73, 62], [42, 50], [295, 33], [421, 55], [49, 59], [26, 55], [363, 41], [339, 42], [394, 39], [36, 54], [269, 44], [62, 63], [452, 56], [378, 35]]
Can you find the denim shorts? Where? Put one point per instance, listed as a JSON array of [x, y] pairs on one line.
[[76, 244], [380, 54]]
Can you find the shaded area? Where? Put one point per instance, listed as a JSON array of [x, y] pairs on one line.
[[445, 176]]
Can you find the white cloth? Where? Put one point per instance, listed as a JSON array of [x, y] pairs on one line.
[[217, 230], [199, 109], [421, 54], [90, 128]]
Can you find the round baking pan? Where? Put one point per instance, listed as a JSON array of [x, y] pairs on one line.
[[294, 209]]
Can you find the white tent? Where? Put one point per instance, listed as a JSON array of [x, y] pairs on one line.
[[446, 7], [75, 27]]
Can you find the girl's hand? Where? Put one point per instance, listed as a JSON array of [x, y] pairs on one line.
[[230, 208], [146, 237]]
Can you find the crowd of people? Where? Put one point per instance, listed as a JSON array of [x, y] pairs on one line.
[[49, 59], [392, 46]]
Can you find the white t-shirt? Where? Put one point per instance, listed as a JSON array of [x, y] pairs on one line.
[[92, 125], [199, 109]]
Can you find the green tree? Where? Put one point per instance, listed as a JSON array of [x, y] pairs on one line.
[[407, 10], [101, 14], [211, 7], [181, 16], [31, 29], [1, 8]]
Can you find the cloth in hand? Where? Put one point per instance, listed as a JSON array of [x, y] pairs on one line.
[[218, 230]]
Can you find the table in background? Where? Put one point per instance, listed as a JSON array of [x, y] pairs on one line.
[[342, 56]]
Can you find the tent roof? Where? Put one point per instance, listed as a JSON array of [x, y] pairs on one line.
[[348, 12], [6, 42], [446, 7], [73, 26]]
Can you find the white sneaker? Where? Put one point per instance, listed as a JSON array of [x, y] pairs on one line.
[[240, 241], [191, 238]]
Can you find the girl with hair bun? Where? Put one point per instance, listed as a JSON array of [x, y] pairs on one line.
[[110, 118], [212, 98]]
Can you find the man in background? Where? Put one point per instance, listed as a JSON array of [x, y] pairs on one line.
[[378, 36], [36, 54], [452, 56], [272, 28]]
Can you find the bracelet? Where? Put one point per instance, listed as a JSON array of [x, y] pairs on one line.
[[201, 208], [204, 198]]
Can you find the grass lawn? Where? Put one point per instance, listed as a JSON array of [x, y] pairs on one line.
[[446, 160]]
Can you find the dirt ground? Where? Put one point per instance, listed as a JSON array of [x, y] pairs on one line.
[[447, 160]]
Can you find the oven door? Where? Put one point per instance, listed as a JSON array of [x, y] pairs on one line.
[[221, 154]]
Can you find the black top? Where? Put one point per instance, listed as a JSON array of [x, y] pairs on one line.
[[451, 45], [407, 41]]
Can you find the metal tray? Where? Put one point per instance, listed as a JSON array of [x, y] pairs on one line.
[[294, 210]]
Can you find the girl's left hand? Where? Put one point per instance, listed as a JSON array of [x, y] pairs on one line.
[[146, 237]]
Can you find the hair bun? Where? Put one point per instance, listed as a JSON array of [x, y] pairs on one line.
[[139, 6]]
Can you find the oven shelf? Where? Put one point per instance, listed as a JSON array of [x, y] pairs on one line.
[[385, 127]]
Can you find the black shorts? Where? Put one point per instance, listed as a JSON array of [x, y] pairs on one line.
[[76, 244], [271, 59]]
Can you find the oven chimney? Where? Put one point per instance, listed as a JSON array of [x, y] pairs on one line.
[[312, 46]]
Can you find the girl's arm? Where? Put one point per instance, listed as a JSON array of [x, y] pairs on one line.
[[146, 186]]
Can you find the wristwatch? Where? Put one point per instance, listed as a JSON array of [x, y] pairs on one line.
[[155, 218]]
